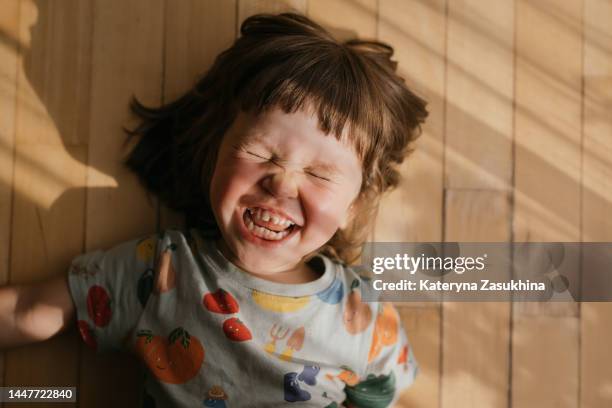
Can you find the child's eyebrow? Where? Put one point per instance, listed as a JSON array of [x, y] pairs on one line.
[[255, 138], [326, 167]]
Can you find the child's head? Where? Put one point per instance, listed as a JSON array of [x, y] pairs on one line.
[[281, 188], [289, 120]]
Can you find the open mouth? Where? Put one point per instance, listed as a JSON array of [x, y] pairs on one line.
[[267, 225]]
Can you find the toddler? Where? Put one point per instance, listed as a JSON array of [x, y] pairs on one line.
[[278, 157]]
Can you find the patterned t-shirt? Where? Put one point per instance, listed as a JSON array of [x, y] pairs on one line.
[[210, 334]]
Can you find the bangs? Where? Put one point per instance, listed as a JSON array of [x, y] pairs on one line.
[[333, 83]]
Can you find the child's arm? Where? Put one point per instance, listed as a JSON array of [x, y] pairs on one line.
[[35, 312]]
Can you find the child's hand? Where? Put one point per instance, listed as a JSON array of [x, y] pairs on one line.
[[36, 312]]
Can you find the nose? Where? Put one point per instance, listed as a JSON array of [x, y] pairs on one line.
[[281, 184]]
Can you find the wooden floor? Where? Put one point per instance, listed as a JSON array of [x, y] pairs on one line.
[[518, 147]]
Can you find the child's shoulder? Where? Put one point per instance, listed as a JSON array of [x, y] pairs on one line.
[[355, 278]]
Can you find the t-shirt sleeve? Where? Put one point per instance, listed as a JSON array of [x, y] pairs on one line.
[[391, 364], [110, 290]]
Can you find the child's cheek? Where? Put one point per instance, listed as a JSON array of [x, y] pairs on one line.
[[232, 179], [323, 206]]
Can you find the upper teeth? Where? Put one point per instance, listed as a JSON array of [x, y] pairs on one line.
[[264, 215]]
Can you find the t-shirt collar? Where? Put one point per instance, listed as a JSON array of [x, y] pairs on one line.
[[229, 270]]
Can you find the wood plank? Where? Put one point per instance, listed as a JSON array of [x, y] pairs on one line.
[[422, 324], [478, 165], [54, 87], [596, 318], [127, 60], [346, 19], [548, 131], [548, 113], [413, 212], [595, 362], [247, 8], [9, 49], [479, 94], [544, 363], [44, 240], [477, 216], [597, 141], [50, 151], [195, 33], [476, 335], [547, 191]]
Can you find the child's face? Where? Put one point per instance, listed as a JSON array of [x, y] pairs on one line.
[[280, 190]]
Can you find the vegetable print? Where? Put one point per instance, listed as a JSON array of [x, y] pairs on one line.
[[211, 336], [174, 360]]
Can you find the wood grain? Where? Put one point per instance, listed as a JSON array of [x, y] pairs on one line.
[[9, 51], [548, 121], [127, 60], [545, 364], [476, 335], [596, 318], [422, 325], [49, 171], [478, 163], [479, 95], [547, 191], [359, 17], [412, 213]]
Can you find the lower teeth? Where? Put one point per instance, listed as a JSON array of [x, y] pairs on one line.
[[263, 232]]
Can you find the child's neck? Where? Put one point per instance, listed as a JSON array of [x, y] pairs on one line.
[[301, 273]]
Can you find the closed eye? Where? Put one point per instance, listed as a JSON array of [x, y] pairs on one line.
[[258, 156], [318, 176], [274, 160], [241, 149]]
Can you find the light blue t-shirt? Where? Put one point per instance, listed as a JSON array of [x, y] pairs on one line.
[[213, 335]]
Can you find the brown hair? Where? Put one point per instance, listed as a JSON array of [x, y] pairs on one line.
[[290, 62]]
